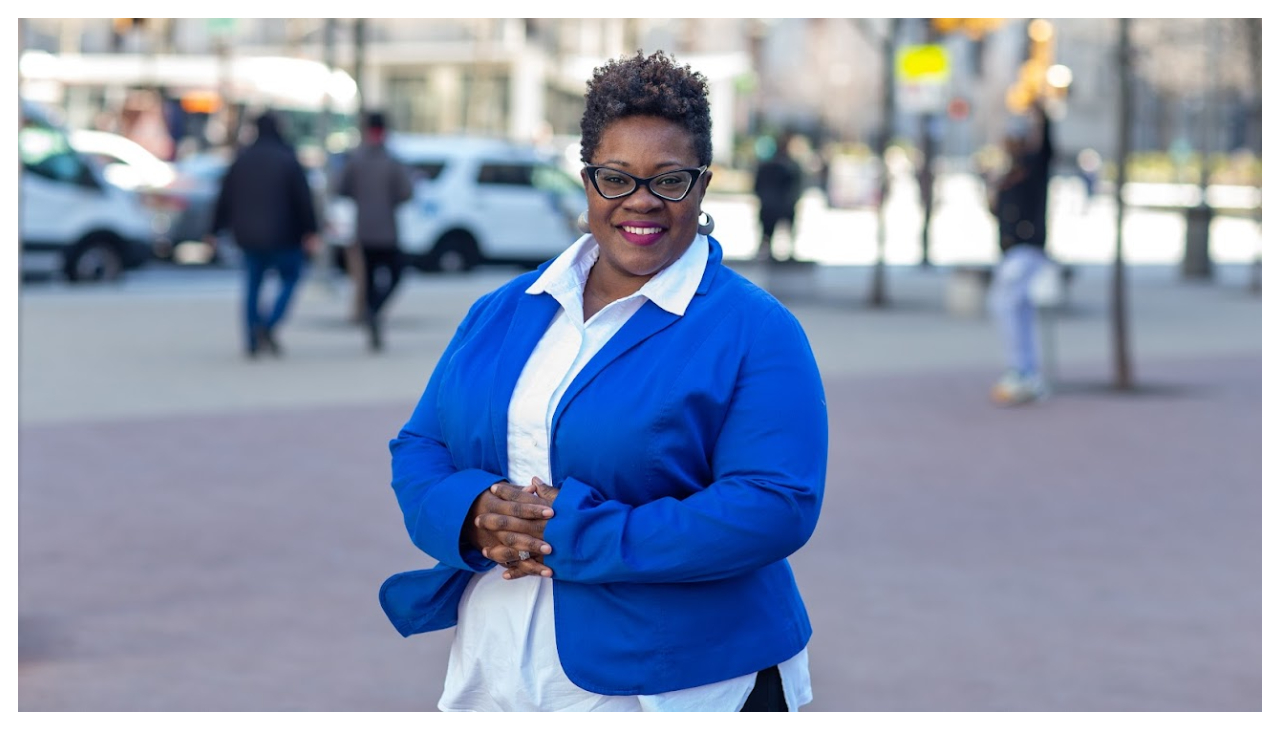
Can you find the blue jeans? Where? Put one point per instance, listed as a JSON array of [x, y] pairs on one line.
[[1010, 304], [287, 264]]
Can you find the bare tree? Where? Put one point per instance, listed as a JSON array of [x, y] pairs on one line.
[[1122, 373], [885, 40]]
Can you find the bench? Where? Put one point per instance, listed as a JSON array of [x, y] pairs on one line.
[[966, 296], [967, 287]]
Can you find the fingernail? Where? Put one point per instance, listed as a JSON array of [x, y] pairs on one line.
[[547, 513], [545, 549], [546, 574]]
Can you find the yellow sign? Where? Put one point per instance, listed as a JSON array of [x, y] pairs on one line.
[[927, 63]]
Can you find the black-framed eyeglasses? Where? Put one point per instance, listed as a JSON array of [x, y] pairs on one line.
[[673, 185]]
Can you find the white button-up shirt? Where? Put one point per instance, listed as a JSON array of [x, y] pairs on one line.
[[504, 655]]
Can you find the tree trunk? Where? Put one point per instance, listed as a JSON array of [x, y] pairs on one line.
[[878, 296], [1122, 376]]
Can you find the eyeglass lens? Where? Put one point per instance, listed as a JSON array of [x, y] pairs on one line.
[[671, 185]]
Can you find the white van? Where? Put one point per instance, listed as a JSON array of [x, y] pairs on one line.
[[476, 201], [69, 217]]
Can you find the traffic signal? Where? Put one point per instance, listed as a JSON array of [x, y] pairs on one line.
[[1040, 48], [945, 25], [975, 28], [1038, 78]]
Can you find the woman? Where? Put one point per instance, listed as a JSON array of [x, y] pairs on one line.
[[617, 452]]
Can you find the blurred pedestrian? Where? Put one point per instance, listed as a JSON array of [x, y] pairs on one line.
[[266, 203], [1089, 163], [779, 182], [1020, 204], [679, 413], [378, 184]]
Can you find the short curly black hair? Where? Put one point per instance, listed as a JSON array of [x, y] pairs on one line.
[[653, 85]]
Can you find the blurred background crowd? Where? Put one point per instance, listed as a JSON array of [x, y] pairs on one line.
[[160, 104]]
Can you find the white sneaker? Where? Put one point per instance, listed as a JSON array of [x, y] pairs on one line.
[[1014, 389]]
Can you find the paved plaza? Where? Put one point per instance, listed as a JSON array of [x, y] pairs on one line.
[[202, 533]]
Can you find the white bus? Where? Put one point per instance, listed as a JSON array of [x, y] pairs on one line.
[[213, 93]]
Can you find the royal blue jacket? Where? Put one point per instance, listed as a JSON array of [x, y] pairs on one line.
[[690, 454]]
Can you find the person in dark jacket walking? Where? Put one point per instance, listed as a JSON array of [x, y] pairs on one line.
[[378, 184], [779, 181], [1020, 204], [265, 201]]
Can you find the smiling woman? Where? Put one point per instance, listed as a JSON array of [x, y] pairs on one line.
[[616, 454]]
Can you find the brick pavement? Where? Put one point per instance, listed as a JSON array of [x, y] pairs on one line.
[[221, 548]]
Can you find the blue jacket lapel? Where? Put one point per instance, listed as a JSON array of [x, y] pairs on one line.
[[649, 320], [532, 316]]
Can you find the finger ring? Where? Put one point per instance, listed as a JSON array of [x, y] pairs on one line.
[[524, 554]]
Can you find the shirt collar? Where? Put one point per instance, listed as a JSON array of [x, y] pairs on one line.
[[671, 289]]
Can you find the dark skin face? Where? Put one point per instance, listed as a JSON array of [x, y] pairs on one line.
[[640, 234]]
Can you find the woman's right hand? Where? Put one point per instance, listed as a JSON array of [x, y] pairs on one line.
[[505, 520]]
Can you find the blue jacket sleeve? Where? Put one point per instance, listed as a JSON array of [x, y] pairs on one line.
[[769, 468], [433, 494]]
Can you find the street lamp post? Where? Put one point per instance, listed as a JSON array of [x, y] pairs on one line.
[[1196, 263], [352, 254], [878, 297], [321, 264]]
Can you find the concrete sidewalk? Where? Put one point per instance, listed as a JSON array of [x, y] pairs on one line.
[[198, 532], [161, 351]]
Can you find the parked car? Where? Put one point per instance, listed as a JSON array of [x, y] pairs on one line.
[[182, 194], [124, 162], [476, 201], [179, 196], [70, 217], [185, 207]]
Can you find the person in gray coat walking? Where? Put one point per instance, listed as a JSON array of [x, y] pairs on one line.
[[378, 184]]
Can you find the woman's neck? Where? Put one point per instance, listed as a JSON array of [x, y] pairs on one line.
[[598, 292]]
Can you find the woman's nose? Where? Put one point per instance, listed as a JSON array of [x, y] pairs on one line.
[[643, 199]]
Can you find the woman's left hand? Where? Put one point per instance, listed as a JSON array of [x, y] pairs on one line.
[[544, 490]]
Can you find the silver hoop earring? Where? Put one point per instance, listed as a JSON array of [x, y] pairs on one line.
[[584, 224], [706, 228]]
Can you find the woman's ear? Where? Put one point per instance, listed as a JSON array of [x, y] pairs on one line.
[[705, 182]]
